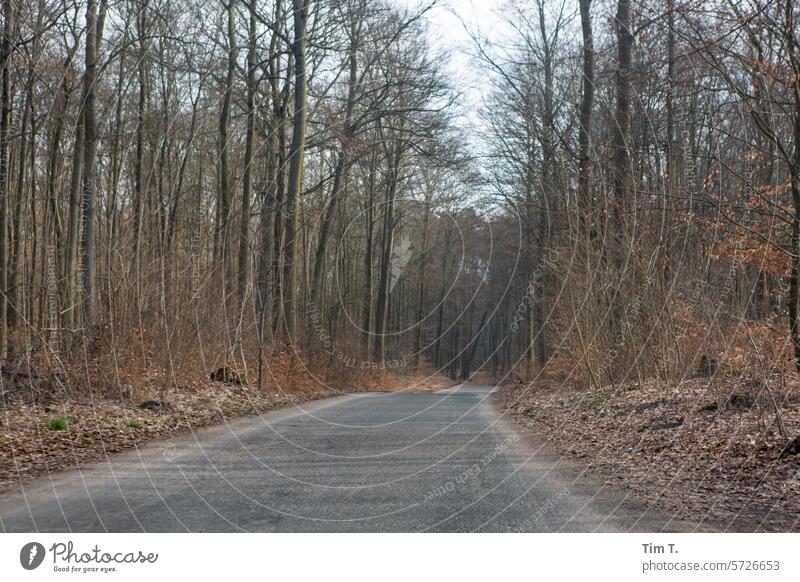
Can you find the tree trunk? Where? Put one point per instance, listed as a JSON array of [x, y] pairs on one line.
[[585, 123], [794, 173], [138, 180], [5, 113], [70, 261], [366, 305], [622, 114], [423, 263], [225, 196], [89, 153], [296, 155], [15, 297], [387, 248], [530, 220], [55, 251], [244, 233], [342, 165]]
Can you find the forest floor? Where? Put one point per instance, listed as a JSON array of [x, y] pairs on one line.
[[62, 433], [709, 451]]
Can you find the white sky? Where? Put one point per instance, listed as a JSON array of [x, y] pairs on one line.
[[449, 22]]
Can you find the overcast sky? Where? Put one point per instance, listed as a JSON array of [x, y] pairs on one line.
[[449, 21]]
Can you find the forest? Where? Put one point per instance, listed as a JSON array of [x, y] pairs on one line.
[[307, 177], [287, 196]]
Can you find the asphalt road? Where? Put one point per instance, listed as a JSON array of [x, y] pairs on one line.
[[406, 462]]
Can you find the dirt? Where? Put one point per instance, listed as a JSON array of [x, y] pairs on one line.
[[704, 450]]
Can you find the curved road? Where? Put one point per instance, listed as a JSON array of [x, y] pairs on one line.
[[445, 461]]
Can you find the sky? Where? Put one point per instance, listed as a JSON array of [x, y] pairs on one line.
[[452, 25], [451, 22]]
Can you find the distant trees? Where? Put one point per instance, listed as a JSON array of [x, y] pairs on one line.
[[652, 171]]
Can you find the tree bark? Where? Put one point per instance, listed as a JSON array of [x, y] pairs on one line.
[[585, 122], [387, 248], [138, 180], [342, 164], [89, 154], [225, 196], [296, 156], [622, 114], [366, 304], [244, 233], [5, 113]]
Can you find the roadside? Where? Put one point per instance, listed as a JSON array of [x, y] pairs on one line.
[[52, 434], [708, 451], [39, 439]]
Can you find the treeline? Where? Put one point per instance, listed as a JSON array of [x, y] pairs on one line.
[[188, 180], [223, 177], [650, 151]]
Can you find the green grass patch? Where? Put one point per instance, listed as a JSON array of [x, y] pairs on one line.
[[59, 423], [133, 423]]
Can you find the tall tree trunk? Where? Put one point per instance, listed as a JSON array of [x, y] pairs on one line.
[[387, 250], [549, 188], [421, 291], [89, 153], [437, 348], [115, 171], [296, 155], [56, 250], [622, 114], [268, 277], [530, 221], [585, 123], [342, 164], [266, 226], [794, 176], [5, 114], [15, 297], [225, 195], [369, 217], [70, 261], [138, 180], [673, 178], [244, 233]]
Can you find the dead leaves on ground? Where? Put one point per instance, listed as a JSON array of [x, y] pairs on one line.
[[720, 464]]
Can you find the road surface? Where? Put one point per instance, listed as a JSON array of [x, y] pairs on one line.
[[400, 462]]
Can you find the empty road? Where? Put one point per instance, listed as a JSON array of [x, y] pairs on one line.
[[444, 461]]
